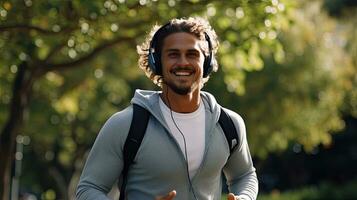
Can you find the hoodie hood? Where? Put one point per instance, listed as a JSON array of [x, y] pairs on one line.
[[150, 101]]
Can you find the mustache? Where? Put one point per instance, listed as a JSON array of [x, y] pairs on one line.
[[186, 68]]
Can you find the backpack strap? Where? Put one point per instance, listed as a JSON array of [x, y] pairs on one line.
[[132, 143], [229, 130], [137, 131]]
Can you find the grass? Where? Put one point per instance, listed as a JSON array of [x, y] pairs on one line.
[[323, 191]]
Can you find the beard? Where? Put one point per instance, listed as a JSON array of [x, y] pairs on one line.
[[181, 90]]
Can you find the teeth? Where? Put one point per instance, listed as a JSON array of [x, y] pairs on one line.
[[182, 73]]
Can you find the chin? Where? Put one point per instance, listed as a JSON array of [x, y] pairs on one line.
[[182, 91], [181, 88]]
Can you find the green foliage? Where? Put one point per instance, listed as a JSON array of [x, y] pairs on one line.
[[345, 12], [322, 191], [244, 31], [298, 99]]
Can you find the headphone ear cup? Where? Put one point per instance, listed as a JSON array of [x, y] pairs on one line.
[[151, 62], [158, 65], [154, 63], [208, 63], [207, 66]]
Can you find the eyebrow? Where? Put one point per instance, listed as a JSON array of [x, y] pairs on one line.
[[177, 50]]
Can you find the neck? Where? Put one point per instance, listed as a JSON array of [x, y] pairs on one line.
[[181, 103]]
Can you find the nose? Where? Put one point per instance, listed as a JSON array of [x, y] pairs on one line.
[[183, 61]]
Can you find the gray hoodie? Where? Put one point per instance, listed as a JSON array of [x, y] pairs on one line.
[[159, 166]]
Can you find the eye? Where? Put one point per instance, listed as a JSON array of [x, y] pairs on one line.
[[193, 54], [173, 55]]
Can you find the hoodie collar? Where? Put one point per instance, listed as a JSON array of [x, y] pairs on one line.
[[150, 101]]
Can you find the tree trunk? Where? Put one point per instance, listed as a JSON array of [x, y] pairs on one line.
[[21, 92], [60, 182]]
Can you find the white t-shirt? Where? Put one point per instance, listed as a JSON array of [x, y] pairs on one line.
[[192, 126]]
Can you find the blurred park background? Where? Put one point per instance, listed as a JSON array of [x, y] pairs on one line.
[[289, 67]]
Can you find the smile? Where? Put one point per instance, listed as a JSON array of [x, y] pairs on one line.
[[183, 72]]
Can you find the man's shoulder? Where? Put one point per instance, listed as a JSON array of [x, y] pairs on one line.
[[231, 112], [119, 121], [124, 114], [236, 118]]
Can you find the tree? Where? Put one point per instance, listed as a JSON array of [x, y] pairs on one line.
[[297, 100], [345, 12], [44, 43]]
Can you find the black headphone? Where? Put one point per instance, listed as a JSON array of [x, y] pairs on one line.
[[154, 59]]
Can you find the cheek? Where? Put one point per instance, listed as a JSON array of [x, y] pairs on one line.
[[168, 63], [164, 66]]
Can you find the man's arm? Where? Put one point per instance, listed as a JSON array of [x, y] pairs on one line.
[[105, 163], [239, 170]]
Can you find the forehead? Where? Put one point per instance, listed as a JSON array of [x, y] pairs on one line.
[[181, 41]]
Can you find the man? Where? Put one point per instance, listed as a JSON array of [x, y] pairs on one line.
[[183, 152]]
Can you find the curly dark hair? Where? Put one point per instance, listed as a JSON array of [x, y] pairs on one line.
[[193, 25]]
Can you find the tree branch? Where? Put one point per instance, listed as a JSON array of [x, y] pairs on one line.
[[86, 58], [28, 28], [54, 50]]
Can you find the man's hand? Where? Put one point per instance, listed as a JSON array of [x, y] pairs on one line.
[[171, 195], [231, 196]]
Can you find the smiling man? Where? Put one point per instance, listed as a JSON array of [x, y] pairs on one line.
[[186, 146]]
